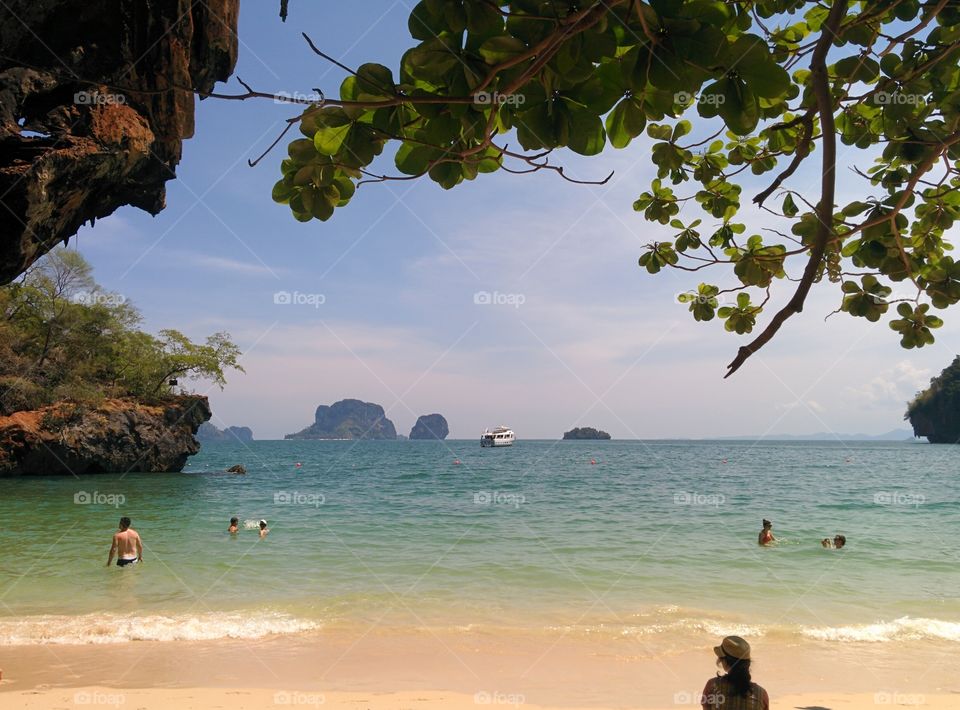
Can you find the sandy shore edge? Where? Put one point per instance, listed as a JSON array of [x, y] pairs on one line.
[[256, 699]]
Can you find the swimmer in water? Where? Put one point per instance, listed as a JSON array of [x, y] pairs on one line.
[[766, 535], [839, 541], [826, 543], [263, 528], [234, 525], [126, 545]]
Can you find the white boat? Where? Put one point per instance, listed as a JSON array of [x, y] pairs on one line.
[[498, 436]]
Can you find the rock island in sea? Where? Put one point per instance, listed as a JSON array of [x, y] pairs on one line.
[[348, 419], [585, 433]]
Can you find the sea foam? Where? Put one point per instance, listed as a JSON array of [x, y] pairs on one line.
[[902, 629], [120, 628]]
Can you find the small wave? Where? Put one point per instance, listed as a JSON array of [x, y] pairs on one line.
[[902, 629], [680, 626], [697, 626], [116, 628]]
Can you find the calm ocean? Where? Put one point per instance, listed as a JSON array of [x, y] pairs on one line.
[[626, 538]]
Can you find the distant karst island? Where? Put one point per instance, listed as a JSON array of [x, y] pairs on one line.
[[585, 432], [354, 419], [208, 433], [348, 419], [430, 426]]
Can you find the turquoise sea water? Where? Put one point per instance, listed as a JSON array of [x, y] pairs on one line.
[[597, 537]]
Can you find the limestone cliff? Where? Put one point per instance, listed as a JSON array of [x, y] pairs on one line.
[[95, 101], [430, 426], [935, 412], [116, 436]]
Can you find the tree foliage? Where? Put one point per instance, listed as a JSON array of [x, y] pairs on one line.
[[723, 89], [62, 337]]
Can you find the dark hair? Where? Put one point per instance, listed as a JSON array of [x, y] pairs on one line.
[[767, 523], [841, 539], [234, 521], [738, 674], [124, 522]]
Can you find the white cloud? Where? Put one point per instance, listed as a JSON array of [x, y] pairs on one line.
[[895, 384], [221, 264]]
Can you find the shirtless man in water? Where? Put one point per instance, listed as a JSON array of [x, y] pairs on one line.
[[126, 545]]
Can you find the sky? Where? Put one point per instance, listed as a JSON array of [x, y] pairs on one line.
[[385, 294]]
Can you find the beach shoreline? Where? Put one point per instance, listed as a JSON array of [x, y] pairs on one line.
[[382, 668]]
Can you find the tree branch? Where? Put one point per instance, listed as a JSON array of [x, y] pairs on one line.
[[821, 88]]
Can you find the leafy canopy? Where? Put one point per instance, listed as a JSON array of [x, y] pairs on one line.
[[64, 338], [764, 86]]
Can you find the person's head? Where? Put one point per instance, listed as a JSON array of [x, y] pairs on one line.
[[733, 655], [839, 541], [124, 522], [234, 522], [825, 542], [767, 524], [263, 524]]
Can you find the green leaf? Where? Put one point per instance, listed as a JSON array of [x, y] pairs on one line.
[[423, 24], [413, 158], [587, 136], [499, 49], [625, 122], [767, 80], [431, 61], [447, 175], [375, 83], [302, 150], [333, 125], [282, 192], [739, 109], [789, 206]]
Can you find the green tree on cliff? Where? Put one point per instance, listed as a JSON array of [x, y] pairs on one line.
[[766, 86], [63, 337], [935, 412]]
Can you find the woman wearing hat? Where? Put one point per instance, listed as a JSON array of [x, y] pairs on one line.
[[734, 690]]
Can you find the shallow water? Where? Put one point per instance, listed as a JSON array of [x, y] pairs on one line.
[[653, 537]]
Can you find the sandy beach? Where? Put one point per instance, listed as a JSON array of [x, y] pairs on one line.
[[373, 669], [198, 698]]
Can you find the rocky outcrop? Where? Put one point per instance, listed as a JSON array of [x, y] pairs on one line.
[[116, 436], [210, 433], [586, 432], [348, 419], [95, 101], [430, 426], [935, 412]]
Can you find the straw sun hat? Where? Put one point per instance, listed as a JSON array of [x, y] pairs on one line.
[[735, 647]]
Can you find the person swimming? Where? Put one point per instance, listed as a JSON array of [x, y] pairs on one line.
[[234, 525], [263, 528], [766, 535], [836, 543]]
